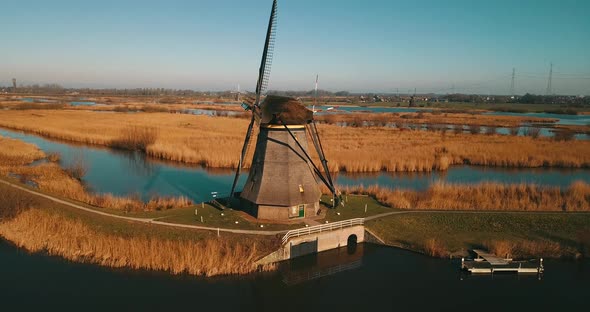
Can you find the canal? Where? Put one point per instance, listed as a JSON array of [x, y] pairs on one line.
[[125, 173], [371, 278]]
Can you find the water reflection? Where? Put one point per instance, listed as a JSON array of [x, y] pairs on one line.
[[388, 279], [320, 265]]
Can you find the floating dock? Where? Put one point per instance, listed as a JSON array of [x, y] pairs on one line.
[[487, 263]]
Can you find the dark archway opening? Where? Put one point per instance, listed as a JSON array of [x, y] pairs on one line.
[[351, 244]]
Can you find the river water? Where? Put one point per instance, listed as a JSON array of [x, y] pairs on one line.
[[372, 278], [131, 173]]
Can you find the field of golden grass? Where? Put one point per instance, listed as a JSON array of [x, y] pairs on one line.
[[435, 117], [16, 152], [36, 230], [39, 225], [120, 103], [484, 197], [216, 142]]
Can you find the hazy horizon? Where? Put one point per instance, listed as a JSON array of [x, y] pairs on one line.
[[457, 46]]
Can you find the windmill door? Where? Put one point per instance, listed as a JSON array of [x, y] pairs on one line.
[[301, 211]]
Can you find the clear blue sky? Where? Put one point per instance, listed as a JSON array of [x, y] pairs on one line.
[[354, 45]]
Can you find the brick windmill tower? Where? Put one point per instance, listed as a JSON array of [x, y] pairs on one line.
[[283, 182]]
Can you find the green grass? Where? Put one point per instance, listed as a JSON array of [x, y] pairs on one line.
[[354, 207], [460, 231], [124, 228], [107, 225], [213, 217]]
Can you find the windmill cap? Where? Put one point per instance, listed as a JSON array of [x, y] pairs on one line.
[[290, 110]]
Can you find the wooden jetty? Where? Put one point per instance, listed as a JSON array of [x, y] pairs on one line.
[[487, 263]]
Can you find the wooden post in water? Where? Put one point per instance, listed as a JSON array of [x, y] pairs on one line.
[[365, 208]]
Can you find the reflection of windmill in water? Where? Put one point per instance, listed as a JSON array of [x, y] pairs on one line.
[[282, 182]]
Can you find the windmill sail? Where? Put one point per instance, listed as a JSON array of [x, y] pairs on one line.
[[267, 54], [261, 84]]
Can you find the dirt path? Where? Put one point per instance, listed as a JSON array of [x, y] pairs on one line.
[[237, 231], [142, 220]]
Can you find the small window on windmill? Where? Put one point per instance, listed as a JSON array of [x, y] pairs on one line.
[[300, 188]]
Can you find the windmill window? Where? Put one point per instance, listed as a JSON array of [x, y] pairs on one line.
[[300, 188]]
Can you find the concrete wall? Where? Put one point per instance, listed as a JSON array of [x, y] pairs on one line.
[[282, 213], [273, 213], [318, 242], [323, 241]]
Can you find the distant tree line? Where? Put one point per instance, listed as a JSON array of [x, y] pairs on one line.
[[339, 96], [552, 99], [525, 99], [321, 92]]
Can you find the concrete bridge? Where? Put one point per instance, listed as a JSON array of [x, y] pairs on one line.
[[318, 238]]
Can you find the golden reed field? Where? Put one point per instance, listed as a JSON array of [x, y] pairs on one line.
[[435, 117], [39, 225], [36, 230], [484, 197], [216, 141]]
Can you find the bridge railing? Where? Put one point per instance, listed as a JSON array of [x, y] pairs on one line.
[[322, 228]]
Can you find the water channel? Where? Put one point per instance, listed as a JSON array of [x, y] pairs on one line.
[[371, 278], [132, 173]]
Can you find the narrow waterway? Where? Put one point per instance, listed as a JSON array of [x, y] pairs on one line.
[[371, 278], [562, 119], [132, 173]]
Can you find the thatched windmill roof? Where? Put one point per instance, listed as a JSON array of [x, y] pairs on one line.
[[290, 110]]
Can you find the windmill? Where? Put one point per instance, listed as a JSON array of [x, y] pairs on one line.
[[283, 179], [315, 98]]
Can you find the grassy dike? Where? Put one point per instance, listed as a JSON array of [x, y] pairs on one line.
[[443, 233], [521, 235], [41, 225]]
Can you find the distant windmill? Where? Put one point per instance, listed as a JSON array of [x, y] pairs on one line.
[[238, 93], [13, 84], [315, 99], [282, 182]]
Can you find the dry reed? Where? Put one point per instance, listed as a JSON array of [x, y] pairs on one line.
[[484, 197], [217, 141], [435, 117], [525, 248], [37, 230], [16, 152], [435, 248], [136, 138], [501, 248]]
